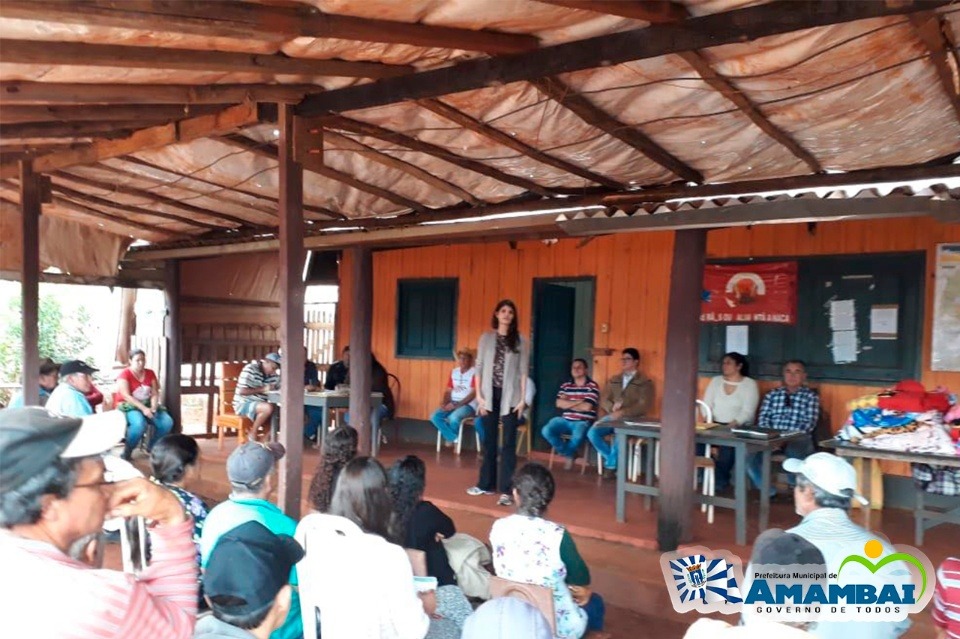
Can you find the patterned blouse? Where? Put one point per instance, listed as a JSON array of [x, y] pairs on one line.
[[195, 506], [498, 361]]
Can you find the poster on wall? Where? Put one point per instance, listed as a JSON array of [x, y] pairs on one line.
[[945, 355], [763, 292]]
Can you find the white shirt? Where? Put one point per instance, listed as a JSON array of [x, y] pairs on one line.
[[461, 385], [739, 406], [362, 584], [626, 380], [531, 392]]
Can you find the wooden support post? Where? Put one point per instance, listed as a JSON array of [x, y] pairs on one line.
[[171, 328], [30, 196], [291, 316], [680, 389], [361, 323]]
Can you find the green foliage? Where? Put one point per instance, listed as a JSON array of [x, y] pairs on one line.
[[63, 335]]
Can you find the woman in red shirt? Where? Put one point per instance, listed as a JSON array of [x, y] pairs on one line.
[[138, 395]]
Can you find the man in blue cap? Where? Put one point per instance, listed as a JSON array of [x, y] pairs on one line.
[[246, 584]]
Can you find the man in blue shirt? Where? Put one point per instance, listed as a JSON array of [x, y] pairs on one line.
[[67, 398], [250, 471], [49, 376]]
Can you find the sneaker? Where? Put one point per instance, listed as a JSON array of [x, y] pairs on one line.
[[505, 500], [476, 491], [609, 473]]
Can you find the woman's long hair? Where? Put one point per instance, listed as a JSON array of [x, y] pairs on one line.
[[738, 359], [339, 447], [408, 479], [171, 456], [361, 496], [513, 335], [535, 489]]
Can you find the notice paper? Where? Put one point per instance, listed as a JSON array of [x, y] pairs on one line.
[[883, 321], [842, 316], [738, 338], [844, 347]]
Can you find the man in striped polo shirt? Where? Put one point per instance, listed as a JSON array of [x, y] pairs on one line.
[[257, 378], [578, 399]]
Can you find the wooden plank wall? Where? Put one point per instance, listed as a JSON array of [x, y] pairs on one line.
[[631, 294]]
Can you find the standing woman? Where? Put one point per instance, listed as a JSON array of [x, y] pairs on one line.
[[138, 396], [503, 359], [732, 397]]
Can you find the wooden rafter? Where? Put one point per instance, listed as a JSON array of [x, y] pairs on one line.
[[119, 56], [315, 212], [597, 117], [248, 20], [655, 11], [468, 122], [271, 151], [16, 114], [401, 139], [224, 121], [750, 23], [40, 93], [375, 155], [68, 130], [217, 217], [748, 108], [931, 28]]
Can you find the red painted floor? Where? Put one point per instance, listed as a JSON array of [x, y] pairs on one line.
[[623, 558]]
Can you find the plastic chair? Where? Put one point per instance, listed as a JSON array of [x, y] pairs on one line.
[[540, 597], [226, 418], [583, 457]]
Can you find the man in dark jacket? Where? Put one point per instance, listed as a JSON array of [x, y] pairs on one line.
[[339, 372]]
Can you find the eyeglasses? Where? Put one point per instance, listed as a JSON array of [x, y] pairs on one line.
[[626, 359], [100, 485]]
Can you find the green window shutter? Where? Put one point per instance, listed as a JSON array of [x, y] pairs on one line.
[[426, 318]]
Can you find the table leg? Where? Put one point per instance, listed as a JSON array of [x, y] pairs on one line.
[[375, 429], [621, 439], [740, 491], [918, 520], [651, 453], [765, 487], [274, 423], [324, 424], [867, 489]]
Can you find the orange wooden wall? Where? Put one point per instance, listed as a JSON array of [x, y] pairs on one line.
[[632, 272]]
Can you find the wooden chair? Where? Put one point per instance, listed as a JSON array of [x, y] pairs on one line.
[[226, 419], [583, 456], [540, 597]]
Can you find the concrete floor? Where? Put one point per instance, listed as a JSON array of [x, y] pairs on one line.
[[623, 559]]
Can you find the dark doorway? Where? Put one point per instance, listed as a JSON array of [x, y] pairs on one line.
[[563, 310]]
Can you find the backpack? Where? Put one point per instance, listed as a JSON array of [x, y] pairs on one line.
[[467, 556]]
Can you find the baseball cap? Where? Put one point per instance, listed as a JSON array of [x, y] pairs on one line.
[[273, 357], [507, 618], [76, 366], [248, 464], [31, 438], [828, 472], [249, 565], [776, 546]]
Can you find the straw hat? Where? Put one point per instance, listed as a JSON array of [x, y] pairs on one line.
[[466, 350]]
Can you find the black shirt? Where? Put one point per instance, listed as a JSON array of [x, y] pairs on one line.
[[338, 374], [426, 522]]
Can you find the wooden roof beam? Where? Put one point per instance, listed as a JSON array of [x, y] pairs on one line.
[[246, 20], [468, 122], [194, 211], [375, 155], [16, 114], [750, 23], [932, 28], [272, 152], [42, 93], [401, 139], [654, 12], [119, 56], [227, 120], [60, 130], [597, 117]]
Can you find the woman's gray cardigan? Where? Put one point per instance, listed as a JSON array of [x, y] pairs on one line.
[[516, 367]]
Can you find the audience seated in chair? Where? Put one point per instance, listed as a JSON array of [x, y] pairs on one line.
[[311, 383], [69, 397], [530, 549], [138, 397], [458, 401], [578, 398], [506, 618], [47, 381], [250, 398], [339, 447], [379, 383]]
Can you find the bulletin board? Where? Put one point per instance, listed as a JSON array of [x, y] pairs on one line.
[[859, 320], [945, 346]]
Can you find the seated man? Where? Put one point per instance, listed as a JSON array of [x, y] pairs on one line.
[[53, 501], [69, 397], [250, 399], [379, 383], [578, 398], [626, 396], [458, 398], [946, 600], [250, 470], [246, 583], [49, 376], [791, 407], [311, 383], [339, 372]]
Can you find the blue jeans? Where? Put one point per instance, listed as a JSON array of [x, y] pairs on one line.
[[559, 426], [796, 449], [314, 419], [608, 451], [596, 610], [383, 414], [448, 421], [137, 426]]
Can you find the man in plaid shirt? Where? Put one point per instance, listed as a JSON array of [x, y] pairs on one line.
[[791, 407]]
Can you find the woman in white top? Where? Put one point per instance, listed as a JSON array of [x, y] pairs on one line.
[[354, 584], [733, 398]]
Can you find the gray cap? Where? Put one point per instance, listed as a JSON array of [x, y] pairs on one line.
[[273, 357], [506, 618], [248, 465]]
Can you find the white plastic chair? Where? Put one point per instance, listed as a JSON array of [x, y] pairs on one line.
[[463, 422]]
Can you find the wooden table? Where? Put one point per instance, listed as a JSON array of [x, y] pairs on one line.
[[327, 400], [924, 519], [717, 436]]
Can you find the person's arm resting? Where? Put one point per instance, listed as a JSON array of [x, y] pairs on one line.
[[577, 572]]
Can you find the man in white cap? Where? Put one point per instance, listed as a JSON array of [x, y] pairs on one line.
[[825, 485], [53, 493]]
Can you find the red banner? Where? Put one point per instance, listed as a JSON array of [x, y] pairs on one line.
[[764, 292]]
